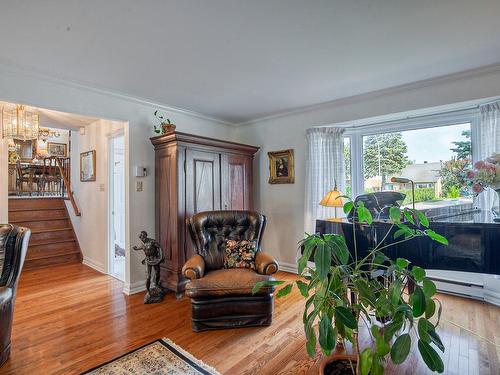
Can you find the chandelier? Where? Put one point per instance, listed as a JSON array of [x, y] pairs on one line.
[[44, 134], [20, 124]]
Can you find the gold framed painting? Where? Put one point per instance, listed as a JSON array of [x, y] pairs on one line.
[[57, 149], [281, 167], [87, 166]]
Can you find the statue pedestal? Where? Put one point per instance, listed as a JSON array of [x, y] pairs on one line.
[[155, 295]]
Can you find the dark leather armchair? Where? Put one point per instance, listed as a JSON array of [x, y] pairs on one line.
[[222, 298], [13, 247]]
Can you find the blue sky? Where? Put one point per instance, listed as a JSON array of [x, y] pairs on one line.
[[433, 144]]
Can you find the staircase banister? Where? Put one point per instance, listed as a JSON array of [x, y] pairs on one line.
[[68, 188]]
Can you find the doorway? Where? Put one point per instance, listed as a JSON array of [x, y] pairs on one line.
[[116, 175]]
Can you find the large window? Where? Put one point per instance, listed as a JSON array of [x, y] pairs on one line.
[[433, 151], [435, 159]]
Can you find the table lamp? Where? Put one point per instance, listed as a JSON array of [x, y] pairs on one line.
[[332, 199]]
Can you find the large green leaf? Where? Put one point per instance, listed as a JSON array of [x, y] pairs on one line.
[[284, 291], [423, 327], [309, 244], [436, 340], [364, 215], [327, 338], [365, 292], [303, 288], [409, 216], [382, 347], [422, 218], [401, 348], [395, 214], [340, 249], [436, 237], [393, 327], [430, 357], [396, 291], [348, 206], [418, 299], [429, 287], [261, 284], [366, 361], [402, 263], [345, 316], [430, 308], [311, 341], [322, 260], [418, 273]]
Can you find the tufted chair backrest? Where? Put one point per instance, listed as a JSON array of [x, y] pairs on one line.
[[210, 230], [13, 248]]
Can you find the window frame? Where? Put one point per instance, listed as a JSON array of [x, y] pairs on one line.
[[357, 132]]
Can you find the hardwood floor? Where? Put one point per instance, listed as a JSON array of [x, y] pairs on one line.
[[71, 318]]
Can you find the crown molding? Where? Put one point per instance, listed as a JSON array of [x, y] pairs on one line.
[[470, 73], [30, 72], [465, 74]]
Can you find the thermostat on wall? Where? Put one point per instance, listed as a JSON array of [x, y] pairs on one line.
[[140, 171]]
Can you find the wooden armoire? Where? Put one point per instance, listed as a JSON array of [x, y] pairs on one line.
[[195, 174]]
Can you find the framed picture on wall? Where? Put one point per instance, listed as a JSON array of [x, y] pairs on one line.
[[281, 167], [57, 149], [87, 166]]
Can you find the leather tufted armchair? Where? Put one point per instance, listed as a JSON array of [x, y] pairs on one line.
[[222, 298], [13, 247]]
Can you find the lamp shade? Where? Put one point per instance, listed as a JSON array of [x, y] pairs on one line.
[[332, 199]]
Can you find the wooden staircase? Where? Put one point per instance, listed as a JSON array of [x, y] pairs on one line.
[[53, 240]]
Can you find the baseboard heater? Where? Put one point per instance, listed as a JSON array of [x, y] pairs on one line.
[[459, 288]]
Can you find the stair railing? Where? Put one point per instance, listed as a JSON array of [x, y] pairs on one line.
[[68, 186]]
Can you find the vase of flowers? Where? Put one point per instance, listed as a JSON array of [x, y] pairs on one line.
[[484, 175]]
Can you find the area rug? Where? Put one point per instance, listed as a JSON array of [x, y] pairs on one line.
[[159, 357]]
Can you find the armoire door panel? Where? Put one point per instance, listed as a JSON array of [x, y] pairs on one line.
[[237, 182], [202, 182]]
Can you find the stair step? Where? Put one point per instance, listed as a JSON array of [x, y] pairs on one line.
[[68, 238], [35, 203], [38, 214], [52, 261], [48, 251], [43, 225]]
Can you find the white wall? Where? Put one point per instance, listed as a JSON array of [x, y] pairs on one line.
[[91, 227], [22, 87], [284, 204]]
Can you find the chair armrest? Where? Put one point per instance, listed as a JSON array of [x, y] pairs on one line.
[[194, 268], [265, 264], [5, 295]]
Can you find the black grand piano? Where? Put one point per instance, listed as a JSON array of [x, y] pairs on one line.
[[474, 238]]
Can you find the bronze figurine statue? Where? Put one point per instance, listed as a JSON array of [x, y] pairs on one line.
[[154, 256]]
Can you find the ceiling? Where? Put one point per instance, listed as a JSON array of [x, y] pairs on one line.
[[55, 119], [243, 59]]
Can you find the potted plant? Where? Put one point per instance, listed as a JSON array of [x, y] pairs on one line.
[[165, 125], [344, 292]]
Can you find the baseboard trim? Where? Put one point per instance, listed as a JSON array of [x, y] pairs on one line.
[[492, 297], [288, 267], [93, 264], [133, 288]]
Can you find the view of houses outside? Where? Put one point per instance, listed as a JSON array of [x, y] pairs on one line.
[[435, 159]]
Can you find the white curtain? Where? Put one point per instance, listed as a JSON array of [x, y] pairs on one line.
[[489, 143], [324, 168]]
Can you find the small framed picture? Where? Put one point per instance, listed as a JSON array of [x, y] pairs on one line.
[[281, 167], [87, 166], [57, 149]]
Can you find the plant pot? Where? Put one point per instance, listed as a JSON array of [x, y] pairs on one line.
[[167, 128], [338, 364]]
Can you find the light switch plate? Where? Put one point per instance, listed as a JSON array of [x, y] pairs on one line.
[[102, 187], [138, 186]]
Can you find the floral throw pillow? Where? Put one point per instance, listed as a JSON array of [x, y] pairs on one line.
[[240, 254]]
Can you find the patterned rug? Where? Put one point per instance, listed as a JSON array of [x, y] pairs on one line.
[[159, 357]]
